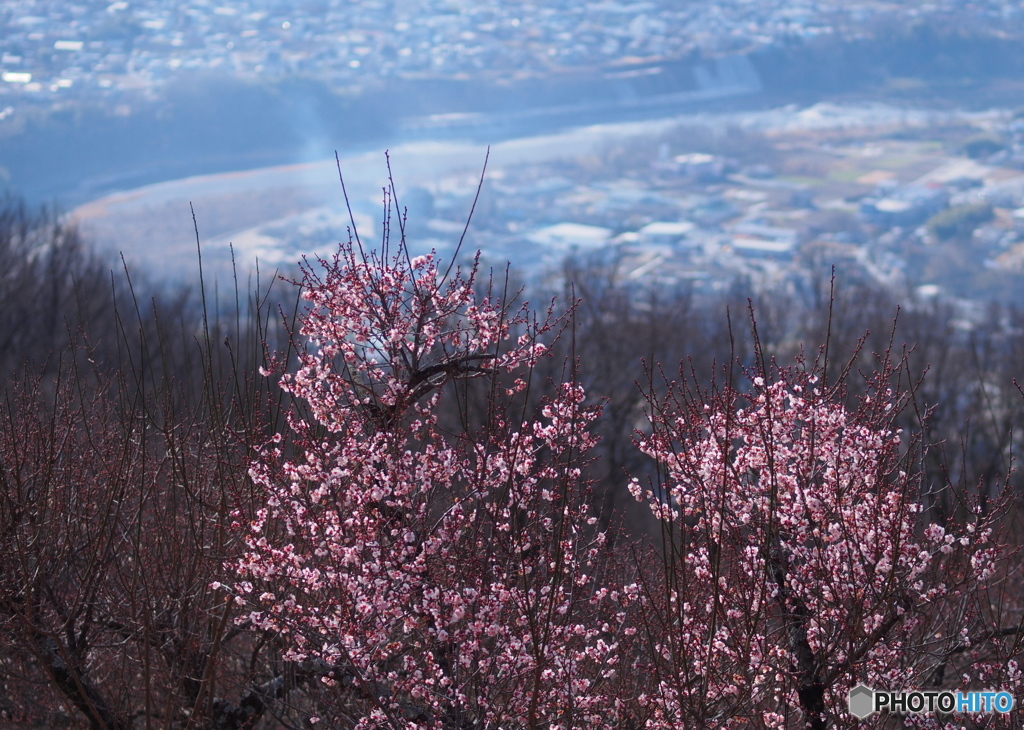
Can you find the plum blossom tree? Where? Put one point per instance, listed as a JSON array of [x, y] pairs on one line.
[[422, 574], [424, 557], [431, 578], [799, 557]]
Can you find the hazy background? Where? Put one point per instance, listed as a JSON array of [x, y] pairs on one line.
[[692, 143]]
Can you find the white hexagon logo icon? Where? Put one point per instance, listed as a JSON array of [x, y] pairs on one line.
[[862, 701]]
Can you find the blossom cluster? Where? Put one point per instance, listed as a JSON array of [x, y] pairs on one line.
[[804, 563], [442, 575], [444, 578]]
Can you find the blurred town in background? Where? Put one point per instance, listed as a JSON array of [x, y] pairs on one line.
[[696, 144], [67, 50]]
